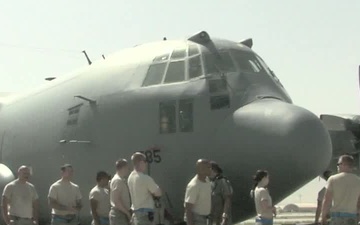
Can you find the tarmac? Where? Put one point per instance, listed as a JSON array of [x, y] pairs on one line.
[[291, 218]]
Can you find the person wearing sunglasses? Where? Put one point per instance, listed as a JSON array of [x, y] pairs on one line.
[[343, 191]]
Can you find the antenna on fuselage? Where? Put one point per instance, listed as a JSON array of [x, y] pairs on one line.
[[103, 56], [87, 57]]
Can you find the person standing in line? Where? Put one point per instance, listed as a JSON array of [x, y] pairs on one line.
[[20, 200], [221, 196], [99, 200], [120, 213], [197, 201], [142, 191], [65, 199], [263, 201], [321, 194], [343, 190]]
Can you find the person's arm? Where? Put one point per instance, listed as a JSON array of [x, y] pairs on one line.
[[78, 201], [264, 201], [153, 188], [191, 196], [326, 205], [4, 204], [53, 203], [35, 205], [119, 186], [188, 213], [318, 211], [93, 207], [227, 195]]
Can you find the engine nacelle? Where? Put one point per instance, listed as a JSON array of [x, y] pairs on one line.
[[6, 175]]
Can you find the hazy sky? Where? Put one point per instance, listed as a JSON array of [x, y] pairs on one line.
[[312, 45]]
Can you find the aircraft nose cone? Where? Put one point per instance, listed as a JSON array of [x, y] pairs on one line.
[[288, 141], [280, 132]]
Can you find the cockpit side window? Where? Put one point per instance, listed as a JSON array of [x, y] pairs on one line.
[[247, 62], [218, 63], [194, 62]]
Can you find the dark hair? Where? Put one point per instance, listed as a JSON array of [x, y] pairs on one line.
[[120, 164], [259, 175], [326, 174], [101, 175], [63, 167], [216, 167]]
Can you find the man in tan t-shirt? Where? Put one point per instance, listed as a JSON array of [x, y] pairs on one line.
[[142, 190], [343, 189], [120, 195], [198, 195], [99, 199], [65, 198], [20, 200]]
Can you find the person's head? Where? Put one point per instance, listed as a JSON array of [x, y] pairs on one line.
[[261, 177], [122, 167], [102, 178], [67, 171], [24, 173], [326, 174], [139, 161], [345, 163], [215, 169], [203, 167]]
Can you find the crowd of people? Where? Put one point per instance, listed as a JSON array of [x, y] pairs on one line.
[[133, 197], [124, 199]]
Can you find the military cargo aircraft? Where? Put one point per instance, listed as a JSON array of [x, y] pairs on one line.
[[176, 101]]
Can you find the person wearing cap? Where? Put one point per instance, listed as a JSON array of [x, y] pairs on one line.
[[20, 200], [343, 190], [198, 195], [65, 198], [142, 191], [119, 195], [321, 194], [99, 199], [220, 196]]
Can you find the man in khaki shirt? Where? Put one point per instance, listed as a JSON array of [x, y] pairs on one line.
[[343, 189], [65, 198], [142, 191], [198, 195], [20, 200], [99, 199], [120, 195]]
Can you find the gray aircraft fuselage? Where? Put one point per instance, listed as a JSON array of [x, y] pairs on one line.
[[201, 98]]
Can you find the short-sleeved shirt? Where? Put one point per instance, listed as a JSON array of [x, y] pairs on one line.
[[101, 195], [221, 188], [141, 187], [20, 198], [198, 193], [120, 184], [262, 194], [65, 193], [345, 188]]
